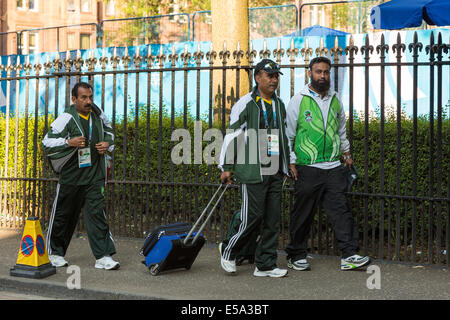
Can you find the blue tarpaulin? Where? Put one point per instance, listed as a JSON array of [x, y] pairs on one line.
[[317, 30], [399, 14]]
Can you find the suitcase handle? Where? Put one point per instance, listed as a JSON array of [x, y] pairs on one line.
[[203, 213]]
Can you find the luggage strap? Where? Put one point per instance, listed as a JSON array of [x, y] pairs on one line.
[[225, 186]]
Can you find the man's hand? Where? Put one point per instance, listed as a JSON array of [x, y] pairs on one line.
[[102, 147], [225, 177], [77, 142], [348, 161], [293, 170]]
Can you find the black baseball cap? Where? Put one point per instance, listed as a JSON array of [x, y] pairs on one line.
[[268, 66]]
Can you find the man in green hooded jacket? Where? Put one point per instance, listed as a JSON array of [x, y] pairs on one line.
[[76, 146], [255, 150]]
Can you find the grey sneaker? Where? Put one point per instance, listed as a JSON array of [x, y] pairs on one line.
[[274, 273], [57, 261], [300, 265], [354, 262], [227, 265]]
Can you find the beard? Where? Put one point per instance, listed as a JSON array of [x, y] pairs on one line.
[[320, 86]]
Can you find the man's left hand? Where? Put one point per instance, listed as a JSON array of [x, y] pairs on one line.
[[102, 147], [348, 162]]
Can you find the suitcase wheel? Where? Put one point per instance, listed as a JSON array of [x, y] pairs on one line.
[[154, 269]]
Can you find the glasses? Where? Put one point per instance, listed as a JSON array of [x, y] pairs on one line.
[[271, 67]]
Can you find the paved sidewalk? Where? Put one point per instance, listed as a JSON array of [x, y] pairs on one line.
[[207, 281]]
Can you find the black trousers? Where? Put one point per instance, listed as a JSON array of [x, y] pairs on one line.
[[326, 186]]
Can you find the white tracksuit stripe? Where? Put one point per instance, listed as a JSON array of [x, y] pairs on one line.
[[52, 218], [242, 226]]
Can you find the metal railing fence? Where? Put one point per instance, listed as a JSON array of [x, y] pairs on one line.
[[401, 202], [264, 22], [159, 29]]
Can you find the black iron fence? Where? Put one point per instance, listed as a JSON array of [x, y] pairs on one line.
[[401, 201]]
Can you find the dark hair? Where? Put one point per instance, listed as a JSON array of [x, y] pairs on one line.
[[82, 85], [319, 60]]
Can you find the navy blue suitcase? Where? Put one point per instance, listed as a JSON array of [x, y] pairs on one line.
[[176, 245]]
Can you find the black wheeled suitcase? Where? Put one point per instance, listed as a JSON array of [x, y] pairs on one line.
[[176, 245]]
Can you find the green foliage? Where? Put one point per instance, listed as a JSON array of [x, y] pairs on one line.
[[166, 192]]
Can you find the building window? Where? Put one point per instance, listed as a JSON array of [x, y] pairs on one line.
[[71, 6], [71, 43], [109, 11], [33, 43], [21, 4], [85, 41], [33, 5], [85, 5]]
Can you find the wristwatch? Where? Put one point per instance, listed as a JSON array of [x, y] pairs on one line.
[[347, 157]]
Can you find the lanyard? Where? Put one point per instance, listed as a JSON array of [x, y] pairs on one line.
[[266, 121]]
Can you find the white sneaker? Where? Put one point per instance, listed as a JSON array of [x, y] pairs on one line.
[[301, 265], [227, 265], [57, 261], [354, 262], [107, 263], [274, 273]]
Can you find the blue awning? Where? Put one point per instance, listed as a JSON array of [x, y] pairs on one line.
[[399, 14]]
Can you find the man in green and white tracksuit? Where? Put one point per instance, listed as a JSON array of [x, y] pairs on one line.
[[76, 146], [316, 129], [256, 150]]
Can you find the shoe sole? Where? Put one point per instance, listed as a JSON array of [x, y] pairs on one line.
[[355, 266], [221, 263], [57, 266], [290, 265], [115, 267], [260, 274]]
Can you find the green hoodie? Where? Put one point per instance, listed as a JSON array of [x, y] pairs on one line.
[[246, 115], [63, 158]]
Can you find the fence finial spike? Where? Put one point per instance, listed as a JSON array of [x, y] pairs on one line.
[[126, 51], [279, 44], [161, 51], [264, 45], [185, 48], [78, 53], [9, 61], [238, 46], [173, 49], [292, 43], [224, 45], [114, 52]]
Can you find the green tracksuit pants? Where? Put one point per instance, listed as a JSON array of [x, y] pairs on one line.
[[261, 206], [69, 202]]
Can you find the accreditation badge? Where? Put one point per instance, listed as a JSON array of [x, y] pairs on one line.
[[84, 157], [273, 145]]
